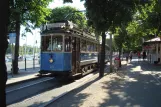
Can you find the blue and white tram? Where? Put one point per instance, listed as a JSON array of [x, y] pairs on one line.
[[66, 50]]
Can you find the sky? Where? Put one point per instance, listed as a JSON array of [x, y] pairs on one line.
[[31, 39]]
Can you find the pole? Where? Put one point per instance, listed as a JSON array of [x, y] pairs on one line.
[[110, 52], [25, 53], [34, 51], [12, 60], [34, 58]]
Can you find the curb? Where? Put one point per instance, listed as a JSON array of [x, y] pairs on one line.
[[71, 90], [17, 82], [67, 92]]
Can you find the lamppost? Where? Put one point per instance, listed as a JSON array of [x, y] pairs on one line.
[[25, 52], [35, 43]]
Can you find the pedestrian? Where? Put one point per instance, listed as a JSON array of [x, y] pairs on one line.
[[144, 55], [130, 55], [139, 55], [127, 57]]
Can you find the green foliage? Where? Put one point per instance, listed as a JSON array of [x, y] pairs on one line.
[[32, 13], [149, 16], [145, 24], [107, 13], [119, 37], [68, 13]]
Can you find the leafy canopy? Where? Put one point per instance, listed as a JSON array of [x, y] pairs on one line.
[[106, 13], [68, 13], [32, 13]]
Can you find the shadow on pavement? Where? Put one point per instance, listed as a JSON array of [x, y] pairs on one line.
[[133, 87]]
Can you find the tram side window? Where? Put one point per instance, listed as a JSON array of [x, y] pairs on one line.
[[95, 48], [46, 43], [92, 47], [57, 43], [67, 44], [99, 48], [88, 47], [83, 46]]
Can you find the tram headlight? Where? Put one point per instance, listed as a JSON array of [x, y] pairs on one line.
[[51, 60]]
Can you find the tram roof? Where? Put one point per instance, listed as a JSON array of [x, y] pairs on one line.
[[65, 27]]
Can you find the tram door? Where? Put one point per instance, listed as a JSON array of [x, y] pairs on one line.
[[75, 55]]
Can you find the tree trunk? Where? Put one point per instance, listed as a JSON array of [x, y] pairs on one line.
[[120, 53], [4, 6], [120, 56], [111, 53], [16, 53], [102, 61]]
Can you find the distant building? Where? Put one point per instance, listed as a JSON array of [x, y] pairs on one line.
[[153, 49]]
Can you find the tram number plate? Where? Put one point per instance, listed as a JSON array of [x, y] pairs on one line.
[[51, 66]]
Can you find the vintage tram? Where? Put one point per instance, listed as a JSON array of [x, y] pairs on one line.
[[67, 50]]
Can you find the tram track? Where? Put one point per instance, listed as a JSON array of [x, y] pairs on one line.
[[25, 86], [50, 103], [52, 94], [45, 98], [22, 91], [90, 78]]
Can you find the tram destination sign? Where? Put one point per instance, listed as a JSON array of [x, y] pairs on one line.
[[50, 26]]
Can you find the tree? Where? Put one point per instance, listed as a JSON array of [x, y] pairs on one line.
[[68, 13], [146, 24], [149, 17], [30, 14], [108, 14], [4, 6], [139, 28], [119, 37]]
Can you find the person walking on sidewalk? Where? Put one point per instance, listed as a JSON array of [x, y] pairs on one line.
[[130, 55], [127, 57], [139, 55], [144, 55]]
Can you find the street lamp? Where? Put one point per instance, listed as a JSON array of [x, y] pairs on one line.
[[25, 52], [34, 53], [34, 44]]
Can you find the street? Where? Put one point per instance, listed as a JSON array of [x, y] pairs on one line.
[[21, 64]]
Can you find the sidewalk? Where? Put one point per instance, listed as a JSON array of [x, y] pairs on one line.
[[131, 87], [23, 75], [94, 93]]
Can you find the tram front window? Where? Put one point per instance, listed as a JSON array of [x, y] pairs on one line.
[[52, 43], [57, 43], [46, 40]]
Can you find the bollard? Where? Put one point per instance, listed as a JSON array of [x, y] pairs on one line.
[[25, 63], [12, 68], [33, 63]]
